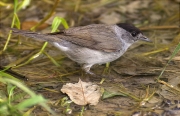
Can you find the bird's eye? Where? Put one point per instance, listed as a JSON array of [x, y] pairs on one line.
[[134, 33]]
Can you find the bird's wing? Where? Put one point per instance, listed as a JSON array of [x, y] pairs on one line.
[[96, 36]]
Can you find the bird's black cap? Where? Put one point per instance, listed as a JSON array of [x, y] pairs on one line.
[[129, 27]]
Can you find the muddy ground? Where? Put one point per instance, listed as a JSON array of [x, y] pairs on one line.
[[130, 82]]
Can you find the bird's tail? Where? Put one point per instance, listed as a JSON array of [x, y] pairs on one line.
[[37, 36]]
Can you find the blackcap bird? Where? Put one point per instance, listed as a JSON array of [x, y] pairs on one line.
[[91, 44]]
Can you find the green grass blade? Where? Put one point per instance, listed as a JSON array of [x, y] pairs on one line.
[[176, 50]]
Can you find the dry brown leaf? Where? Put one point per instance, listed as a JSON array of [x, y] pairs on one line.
[[26, 25], [82, 93]]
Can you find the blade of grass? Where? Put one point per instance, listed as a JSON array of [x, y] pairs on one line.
[[176, 50], [52, 59], [30, 102], [34, 56], [10, 90], [15, 21], [48, 16], [57, 21], [35, 99], [23, 4]]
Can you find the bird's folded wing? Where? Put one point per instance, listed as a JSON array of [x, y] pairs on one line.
[[97, 36]]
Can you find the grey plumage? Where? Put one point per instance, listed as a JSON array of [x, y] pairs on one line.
[[91, 44]]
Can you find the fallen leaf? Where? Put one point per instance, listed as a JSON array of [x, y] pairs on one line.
[[109, 94], [26, 25], [82, 93]]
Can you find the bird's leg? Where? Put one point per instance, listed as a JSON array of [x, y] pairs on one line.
[[106, 69], [86, 68]]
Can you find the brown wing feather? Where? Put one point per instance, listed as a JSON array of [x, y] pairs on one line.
[[96, 36]]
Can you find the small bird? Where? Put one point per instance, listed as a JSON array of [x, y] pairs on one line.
[[91, 44]]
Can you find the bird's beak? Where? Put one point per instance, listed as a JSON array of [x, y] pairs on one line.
[[144, 38]]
